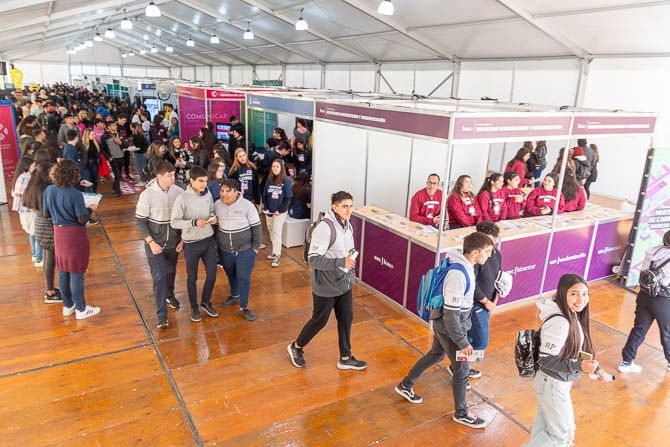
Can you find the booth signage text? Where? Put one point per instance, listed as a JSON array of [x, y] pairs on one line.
[[468, 128], [608, 125], [293, 106], [221, 94], [193, 92]]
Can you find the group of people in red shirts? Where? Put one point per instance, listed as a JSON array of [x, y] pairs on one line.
[[501, 196]]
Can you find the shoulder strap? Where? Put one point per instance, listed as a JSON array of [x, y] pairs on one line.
[[333, 232], [461, 269], [663, 264], [552, 316]]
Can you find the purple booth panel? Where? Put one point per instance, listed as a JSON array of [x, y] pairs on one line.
[[420, 261], [569, 254], [609, 248], [384, 261], [524, 260], [221, 111], [357, 224], [191, 116]]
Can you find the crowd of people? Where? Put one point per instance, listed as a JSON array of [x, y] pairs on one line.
[[518, 192], [206, 200]]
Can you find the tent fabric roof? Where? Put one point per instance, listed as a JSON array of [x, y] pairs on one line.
[[345, 31]]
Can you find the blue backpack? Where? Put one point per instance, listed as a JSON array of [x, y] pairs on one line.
[[430, 294]]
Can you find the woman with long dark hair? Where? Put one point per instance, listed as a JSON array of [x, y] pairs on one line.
[[565, 334], [302, 196], [215, 175], [518, 165], [26, 215], [594, 170], [64, 204], [244, 171], [302, 157], [199, 152], [276, 199], [44, 233], [573, 192], [491, 198], [462, 206], [180, 158], [515, 199]]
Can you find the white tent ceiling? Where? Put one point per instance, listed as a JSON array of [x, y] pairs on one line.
[[340, 30]]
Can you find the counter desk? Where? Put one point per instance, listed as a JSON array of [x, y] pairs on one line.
[[395, 252]]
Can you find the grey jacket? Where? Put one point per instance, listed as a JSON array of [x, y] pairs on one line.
[[239, 227], [329, 277], [457, 308], [188, 208], [153, 212], [553, 335], [61, 138]]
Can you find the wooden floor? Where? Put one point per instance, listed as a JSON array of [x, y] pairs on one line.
[[114, 380]]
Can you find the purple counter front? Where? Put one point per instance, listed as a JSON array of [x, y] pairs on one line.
[[609, 248], [385, 261]]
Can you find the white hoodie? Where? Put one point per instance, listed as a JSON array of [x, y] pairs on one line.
[[553, 337]]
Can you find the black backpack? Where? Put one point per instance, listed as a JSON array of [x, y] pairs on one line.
[[310, 230], [527, 350], [650, 280], [583, 169]]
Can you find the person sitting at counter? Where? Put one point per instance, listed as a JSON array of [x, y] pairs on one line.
[[515, 199], [491, 199], [426, 203], [542, 199], [462, 207], [573, 192], [518, 165]]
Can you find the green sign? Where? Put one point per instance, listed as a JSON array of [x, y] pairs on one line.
[[115, 90], [269, 82], [261, 125]]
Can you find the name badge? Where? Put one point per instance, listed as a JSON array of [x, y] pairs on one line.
[[275, 196], [472, 211], [496, 209], [301, 158]]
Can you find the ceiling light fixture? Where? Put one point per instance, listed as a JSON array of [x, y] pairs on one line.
[[110, 34], [189, 42], [70, 51], [385, 8], [88, 43], [124, 54], [214, 39], [154, 50], [301, 24], [169, 48], [126, 24], [131, 54], [152, 10], [97, 37], [248, 35], [143, 51]]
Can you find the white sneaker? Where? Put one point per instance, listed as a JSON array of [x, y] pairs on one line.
[[270, 257], [276, 261], [67, 311], [262, 246], [33, 258], [88, 312], [629, 367], [39, 264]]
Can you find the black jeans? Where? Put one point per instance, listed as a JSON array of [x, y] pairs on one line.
[[344, 313], [193, 252], [648, 309], [48, 256], [126, 162], [117, 166], [442, 345], [163, 270]]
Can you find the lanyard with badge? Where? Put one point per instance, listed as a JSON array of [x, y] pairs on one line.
[[471, 207]]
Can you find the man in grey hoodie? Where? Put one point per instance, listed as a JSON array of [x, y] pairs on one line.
[[193, 214], [332, 263], [162, 242], [451, 325]]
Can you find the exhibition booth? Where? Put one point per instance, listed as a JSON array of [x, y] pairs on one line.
[[382, 152]]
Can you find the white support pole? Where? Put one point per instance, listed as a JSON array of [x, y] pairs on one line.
[[377, 77], [456, 79], [581, 83], [323, 76], [445, 187]]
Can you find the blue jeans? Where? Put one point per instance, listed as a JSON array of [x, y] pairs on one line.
[[537, 173], [141, 161], [238, 267], [35, 248], [72, 289], [478, 335]]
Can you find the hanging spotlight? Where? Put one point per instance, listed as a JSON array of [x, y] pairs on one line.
[[301, 24], [214, 39], [97, 37], [152, 10], [88, 43], [124, 54], [143, 51], [70, 51], [169, 48], [110, 34], [248, 35], [385, 8], [154, 50], [131, 54], [189, 42], [126, 24]]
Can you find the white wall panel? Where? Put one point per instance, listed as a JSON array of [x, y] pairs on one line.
[[32, 71], [312, 76], [55, 73], [546, 82], [429, 76], [428, 157], [337, 77], [294, 76], [158, 72], [362, 78], [470, 159], [286, 122], [138, 72], [102, 70], [388, 170], [114, 70], [202, 73], [188, 73], [220, 74], [337, 166], [400, 77], [479, 79]]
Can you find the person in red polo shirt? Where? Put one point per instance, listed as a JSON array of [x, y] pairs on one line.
[[425, 205]]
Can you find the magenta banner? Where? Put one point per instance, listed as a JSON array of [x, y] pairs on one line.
[[468, 128], [399, 121], [608, 125], [384, 261], [221, 111], [357, 224], [191, 116], [569, 253], [608, 248], [524, 260]]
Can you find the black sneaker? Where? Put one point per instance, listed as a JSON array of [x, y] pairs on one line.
[[55, 298], [296, 356], [246, 313], [195, 315], [351, 363], [231, 300], [470, 420], [408, 393], [209, 309], [173, 302], [162, 323], [473, 374]]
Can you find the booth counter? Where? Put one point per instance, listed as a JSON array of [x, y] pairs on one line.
[[396, 252]]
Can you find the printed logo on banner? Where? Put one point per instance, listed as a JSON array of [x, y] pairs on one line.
[[607, 250], [4, 132], [383, 261], [562, 259], [521, 268]]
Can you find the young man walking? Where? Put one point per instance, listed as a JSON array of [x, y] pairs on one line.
[[332, 281], [162, 243], [193, 214], [110, 145], [239, 239], [450, 328]]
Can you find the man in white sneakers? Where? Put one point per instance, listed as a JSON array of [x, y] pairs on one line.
[[450, 327]]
